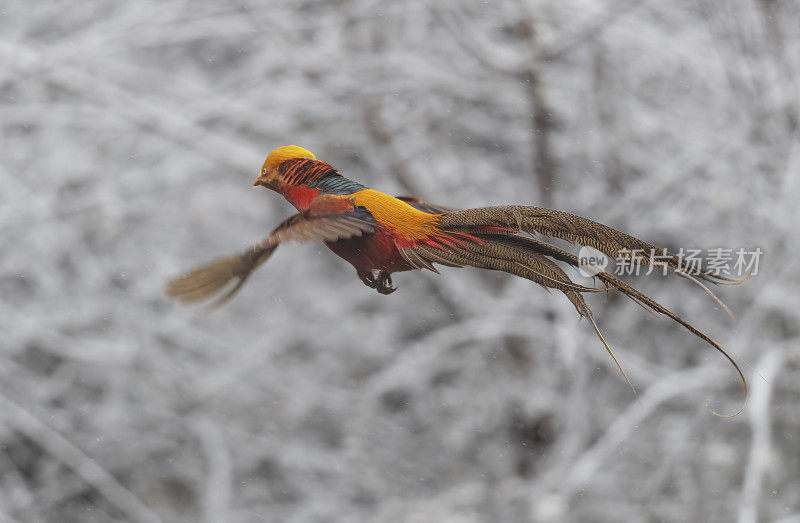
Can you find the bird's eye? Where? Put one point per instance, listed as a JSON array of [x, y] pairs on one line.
[[264, 170]]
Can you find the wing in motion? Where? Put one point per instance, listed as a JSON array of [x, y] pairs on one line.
[[204, 282]]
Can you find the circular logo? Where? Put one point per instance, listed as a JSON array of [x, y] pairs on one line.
[[591, 261]]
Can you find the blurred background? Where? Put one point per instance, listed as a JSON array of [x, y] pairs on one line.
[[132, 131]]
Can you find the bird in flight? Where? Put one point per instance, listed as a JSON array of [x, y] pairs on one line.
[[381, 234]]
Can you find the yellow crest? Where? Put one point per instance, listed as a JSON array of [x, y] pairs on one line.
[[287, 152]]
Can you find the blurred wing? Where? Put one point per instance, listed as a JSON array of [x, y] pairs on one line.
[[422, 205], [207, 281]]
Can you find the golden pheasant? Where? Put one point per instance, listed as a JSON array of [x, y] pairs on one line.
[[381, 234]]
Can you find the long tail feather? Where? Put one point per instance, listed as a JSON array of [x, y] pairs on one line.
[[502, 253], [589, 316], [613, 282], [483, 258], [708, 291], [567, 257], [570, 227]]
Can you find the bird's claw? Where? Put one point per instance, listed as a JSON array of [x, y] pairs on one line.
[[380, 281], [384, 283], [369, 281]]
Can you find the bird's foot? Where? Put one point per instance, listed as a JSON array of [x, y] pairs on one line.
[[369, 280], [384, 283], [381, 281]]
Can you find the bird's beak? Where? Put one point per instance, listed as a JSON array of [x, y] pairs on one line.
[[265, 181]]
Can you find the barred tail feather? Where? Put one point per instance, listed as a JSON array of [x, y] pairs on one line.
[[612, 282], [501, 253], [570, 227]]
